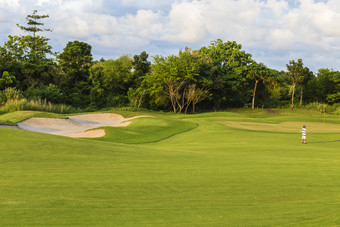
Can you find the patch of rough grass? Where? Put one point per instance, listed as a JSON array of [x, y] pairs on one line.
[[290, 127], [35, 105]]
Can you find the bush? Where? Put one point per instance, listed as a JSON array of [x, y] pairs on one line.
[[333, 98], [37, 105], [335, 108], [9, 94], [51, 93], [43, 105], [117, 101], [13, 105]]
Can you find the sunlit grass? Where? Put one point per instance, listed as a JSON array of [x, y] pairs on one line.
[[147, 130], [207, 175]]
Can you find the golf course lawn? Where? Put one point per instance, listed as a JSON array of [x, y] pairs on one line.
[[175, 170]]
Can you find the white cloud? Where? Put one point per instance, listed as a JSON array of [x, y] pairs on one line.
[[145, 23], [9, 3], [292, 28], [278, 7], [186, 23], [281, 39], [147, 4], [41, 2]]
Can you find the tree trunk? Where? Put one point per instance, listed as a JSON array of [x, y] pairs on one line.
[[301, 96], [140, 99], [293, 92], [253, 102], [190, 95], [172, 98]]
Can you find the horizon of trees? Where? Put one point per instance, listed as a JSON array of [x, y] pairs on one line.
[[215, 77]]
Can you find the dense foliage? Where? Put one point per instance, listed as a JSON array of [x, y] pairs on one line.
[[215, 77]]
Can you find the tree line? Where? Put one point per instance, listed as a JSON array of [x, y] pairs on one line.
[[215, 77]]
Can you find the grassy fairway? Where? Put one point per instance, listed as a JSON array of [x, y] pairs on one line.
[[205, 174]]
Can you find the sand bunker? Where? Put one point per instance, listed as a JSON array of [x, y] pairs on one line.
[[76, 126], [312, 127]]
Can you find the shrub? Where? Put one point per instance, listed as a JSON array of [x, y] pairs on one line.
[[9, 94], [13, 105], [37, 105], [51, 93], [335, 108], [43, 105]]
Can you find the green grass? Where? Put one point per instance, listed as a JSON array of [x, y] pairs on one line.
[[209, 175], [147, 130]]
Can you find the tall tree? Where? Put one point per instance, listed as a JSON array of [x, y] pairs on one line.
[[307, 77], [31, 52], [258, 72], [33, 22], [141, 66], [325, 84], [9, 63], [137, 90], [178, 80], [334, 97], [34, 26], [75, 62], [296, 73], [111, 81], [227, 68]]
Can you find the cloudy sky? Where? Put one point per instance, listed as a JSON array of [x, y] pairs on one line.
[[273, 31]]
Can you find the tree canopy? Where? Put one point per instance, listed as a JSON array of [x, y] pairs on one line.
[[218, 76]]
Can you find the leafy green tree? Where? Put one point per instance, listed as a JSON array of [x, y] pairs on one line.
[[324, 84], [32, 51], [50, 93], [259, 72], [195, 95], [137, 90], [334, 96], [296, 73], [75, 62], [308, 76], [6, 80], [227, 67], [178, 81], [111, 81], [33, 22], [35, 49], [141, 66], [9, 63], [27, 57]]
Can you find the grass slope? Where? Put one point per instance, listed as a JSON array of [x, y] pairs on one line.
[[12, 118], [212, 175], [147, 130]]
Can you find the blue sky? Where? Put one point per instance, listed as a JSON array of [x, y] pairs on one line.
[[273, 31]]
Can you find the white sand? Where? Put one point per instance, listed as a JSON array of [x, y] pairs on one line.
[[76, 126]]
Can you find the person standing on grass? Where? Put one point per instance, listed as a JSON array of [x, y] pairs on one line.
[[304, 134]]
